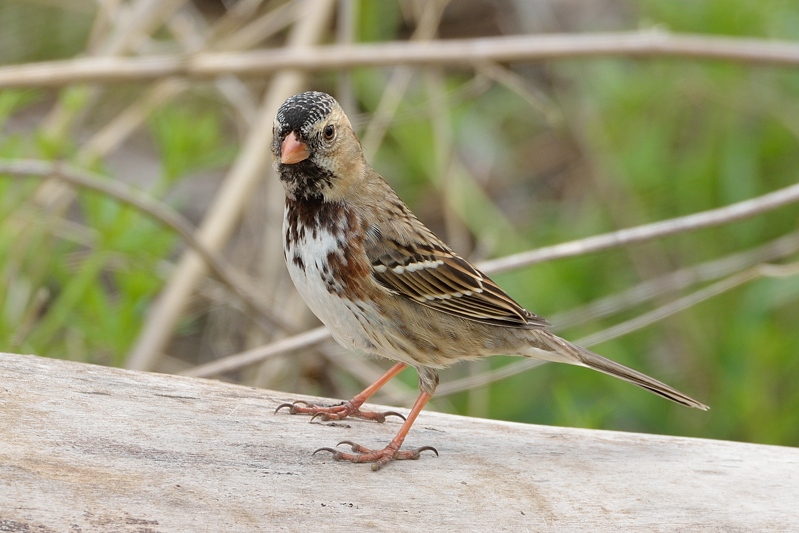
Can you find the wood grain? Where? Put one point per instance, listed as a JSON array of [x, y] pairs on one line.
[[85, 448]]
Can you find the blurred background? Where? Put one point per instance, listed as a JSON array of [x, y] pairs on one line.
[[497, 158]]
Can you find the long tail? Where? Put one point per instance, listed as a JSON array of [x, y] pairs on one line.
[[552, 348]]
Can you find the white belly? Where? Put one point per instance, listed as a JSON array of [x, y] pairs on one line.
[[305, 260]]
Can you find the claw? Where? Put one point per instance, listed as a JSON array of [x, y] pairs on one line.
[[392, 413], [427, 448], [323, 415], [331, 450], [281, 406], [291, 406]]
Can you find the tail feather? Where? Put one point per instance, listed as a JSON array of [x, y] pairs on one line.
[[602, 364], [563, 351]]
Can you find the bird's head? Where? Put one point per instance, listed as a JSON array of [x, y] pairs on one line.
[[317, 154]]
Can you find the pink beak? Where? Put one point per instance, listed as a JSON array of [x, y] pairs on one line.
[[293, 150]]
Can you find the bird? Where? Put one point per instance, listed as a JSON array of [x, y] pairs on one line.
[[386, 285]]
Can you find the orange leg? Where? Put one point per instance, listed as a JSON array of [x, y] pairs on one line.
[[380, 458], [351, 408]]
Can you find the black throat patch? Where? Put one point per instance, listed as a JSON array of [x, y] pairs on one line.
[[305, 180]]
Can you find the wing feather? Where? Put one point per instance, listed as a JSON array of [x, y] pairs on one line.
[[425, 270]]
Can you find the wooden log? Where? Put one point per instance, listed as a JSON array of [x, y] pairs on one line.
[[95, 449]]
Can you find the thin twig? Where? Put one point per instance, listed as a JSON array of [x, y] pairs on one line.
[[454, 52], [156, 210], [260, 354], [514, 82], [117, 130], [677, 281], [132, 24], [647, 232], [398, 83]]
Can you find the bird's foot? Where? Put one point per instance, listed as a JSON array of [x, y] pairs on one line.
[[335, 412], [378, 458]]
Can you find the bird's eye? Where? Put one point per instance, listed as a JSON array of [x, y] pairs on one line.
[[329, 132]]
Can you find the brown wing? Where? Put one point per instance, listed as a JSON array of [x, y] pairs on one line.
[[416, 264]]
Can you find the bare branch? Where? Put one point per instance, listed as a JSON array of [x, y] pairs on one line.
[[678, 280], [455, 52], [647, 232], [260, 354], [162, 213]]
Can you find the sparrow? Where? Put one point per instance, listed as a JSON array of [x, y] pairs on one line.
[[384, 284]]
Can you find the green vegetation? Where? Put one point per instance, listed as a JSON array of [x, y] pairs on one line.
[[78, 287], [592, 146]]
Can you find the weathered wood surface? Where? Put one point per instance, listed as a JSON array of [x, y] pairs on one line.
[[86, 448]]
